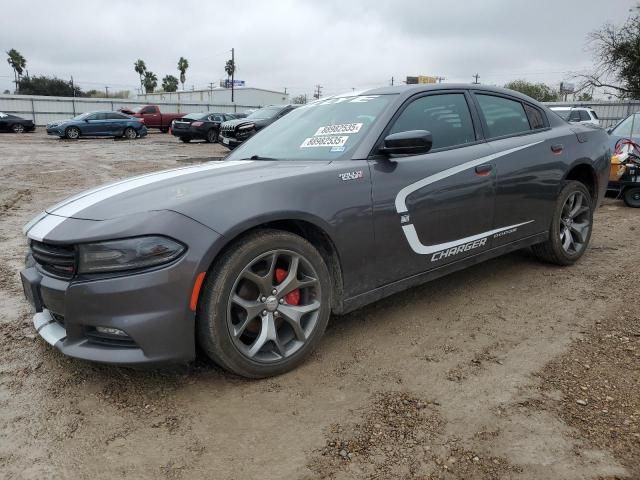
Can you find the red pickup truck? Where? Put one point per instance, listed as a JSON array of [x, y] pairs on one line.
[[154, 118]]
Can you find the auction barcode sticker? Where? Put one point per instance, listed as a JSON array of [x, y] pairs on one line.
[[326, 141], [339, 129]]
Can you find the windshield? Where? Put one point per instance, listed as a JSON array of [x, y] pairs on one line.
[[195, 116], [327, 129], [266, 112], [564, 114]]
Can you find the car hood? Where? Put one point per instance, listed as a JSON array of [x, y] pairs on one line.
[[182, 190], [243, 121], [57, 123]]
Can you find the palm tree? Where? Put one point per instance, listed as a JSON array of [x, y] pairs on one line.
[[140, 67], [230, 68], [183, 64], [18, 63], [169, 83], [150, 81]]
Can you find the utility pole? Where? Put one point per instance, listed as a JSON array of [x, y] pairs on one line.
[[392, 81], [318, 92], [73, 87], [476, 76], [106, 89], [210, 90], [233, 71]]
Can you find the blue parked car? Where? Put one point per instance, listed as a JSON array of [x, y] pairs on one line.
[[627, 128], [98, 124]]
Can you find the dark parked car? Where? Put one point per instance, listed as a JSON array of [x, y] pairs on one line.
[[98, 124], [205, 126], [15, 124], [342, 202], [234, 132]]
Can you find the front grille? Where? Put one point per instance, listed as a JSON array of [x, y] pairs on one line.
[[58, 260], [228, 130], [107, 340]]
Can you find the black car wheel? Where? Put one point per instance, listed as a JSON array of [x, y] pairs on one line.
[[212, 136], [570, 227], [130, 133], [72, 133], [17, 128], [631, 197], [265, 304], [185, 139]]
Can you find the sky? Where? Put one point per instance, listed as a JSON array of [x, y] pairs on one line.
[[338, 44]]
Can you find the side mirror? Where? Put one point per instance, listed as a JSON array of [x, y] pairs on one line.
[[412, 142], [609, 130]]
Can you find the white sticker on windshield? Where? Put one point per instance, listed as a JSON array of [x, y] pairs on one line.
[[339, 129], [326, 141]]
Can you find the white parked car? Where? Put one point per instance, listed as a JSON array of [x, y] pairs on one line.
[[577, 114]]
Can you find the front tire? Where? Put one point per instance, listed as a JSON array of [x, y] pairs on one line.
[[17, 128], [265, 304], [571, 226], [72, 133], [212, 136], [631, 197], [185, 139]]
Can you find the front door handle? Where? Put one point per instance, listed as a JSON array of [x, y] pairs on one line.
[[484, 170]]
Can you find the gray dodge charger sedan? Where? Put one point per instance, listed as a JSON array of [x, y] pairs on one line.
[[342, 202]]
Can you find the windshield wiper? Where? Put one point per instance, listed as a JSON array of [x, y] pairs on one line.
[[258, 157]]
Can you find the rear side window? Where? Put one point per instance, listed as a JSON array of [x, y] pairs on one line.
[[116, 116], [502, 116], [536, 120], [148, 110], [446, 116], [584, 116]]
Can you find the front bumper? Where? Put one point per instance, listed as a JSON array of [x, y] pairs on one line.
[[229, 142], [146, 306], [55, 131], [151, 306]]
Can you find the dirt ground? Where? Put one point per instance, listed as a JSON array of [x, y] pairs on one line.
[[508, 370]]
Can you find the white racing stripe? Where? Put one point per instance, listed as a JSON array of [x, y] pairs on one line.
[[401, 198], [410, 231], [418, 247], [71, 206]]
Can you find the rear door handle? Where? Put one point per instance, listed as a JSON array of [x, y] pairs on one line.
[[484, 170]]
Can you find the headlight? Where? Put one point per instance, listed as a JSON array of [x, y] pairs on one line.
[[128, 254]]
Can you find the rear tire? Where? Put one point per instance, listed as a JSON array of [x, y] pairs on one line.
[[72, 133], [130, 133], [571, 226], [212, 136], [244, 326], [631, 197], [185, 139], [17, 128]]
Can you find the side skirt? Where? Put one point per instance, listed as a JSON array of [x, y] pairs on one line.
[[379, 293]]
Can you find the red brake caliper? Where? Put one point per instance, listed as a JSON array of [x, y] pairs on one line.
[[292, 298]]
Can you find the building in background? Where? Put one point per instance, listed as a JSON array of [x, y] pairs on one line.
[[258, 97]]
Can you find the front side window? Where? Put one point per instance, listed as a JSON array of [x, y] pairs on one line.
[[502, 116], [574, 116], [584, 116], [446, 116]]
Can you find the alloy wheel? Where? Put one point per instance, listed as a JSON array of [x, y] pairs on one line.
[[274, 306], [18, 128], [575, 223]]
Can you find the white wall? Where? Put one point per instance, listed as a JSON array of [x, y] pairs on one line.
[[222, 96], [43, 110]]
